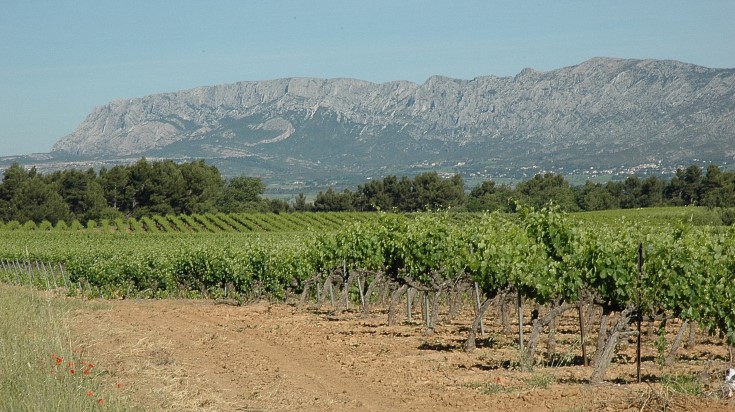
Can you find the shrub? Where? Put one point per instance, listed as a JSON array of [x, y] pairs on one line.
[[30, 225], [727, 216], [12, 225]]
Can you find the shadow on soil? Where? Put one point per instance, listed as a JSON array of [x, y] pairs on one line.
[[456, 345]]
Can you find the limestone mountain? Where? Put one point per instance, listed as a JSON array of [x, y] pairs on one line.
[[603, 113]]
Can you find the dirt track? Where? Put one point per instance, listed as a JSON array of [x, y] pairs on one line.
[[196, 355]]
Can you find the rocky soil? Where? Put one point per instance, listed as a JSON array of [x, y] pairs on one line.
[[201, 356]]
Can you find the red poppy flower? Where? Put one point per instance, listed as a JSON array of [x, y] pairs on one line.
[[90, 394]]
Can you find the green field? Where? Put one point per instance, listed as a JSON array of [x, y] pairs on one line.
[[545, 257], [698, 216]]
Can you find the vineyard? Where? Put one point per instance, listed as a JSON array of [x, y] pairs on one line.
[[536, 265], [202, 223]]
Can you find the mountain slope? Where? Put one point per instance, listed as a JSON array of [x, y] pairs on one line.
[[601, 113]]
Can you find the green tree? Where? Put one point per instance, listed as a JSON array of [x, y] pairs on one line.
[[114, 183], [241, 194], [652, 192], [547, 188], [13, 178], [203, 187], [488, 196], [683, 189], [376, 195], [331, 201], [156, 188], [38, 200], [631, 195], [300, 203], [278, 206], [167, 189], [388, 194], [594, 196], [717, 189], [138, 191], [82, 192], [693, 182], [432, 192]]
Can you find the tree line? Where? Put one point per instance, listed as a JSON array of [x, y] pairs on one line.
[[148, 188], [142, 189], [691, 186]]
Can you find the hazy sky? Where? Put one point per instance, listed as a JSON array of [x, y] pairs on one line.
[[59, 59]]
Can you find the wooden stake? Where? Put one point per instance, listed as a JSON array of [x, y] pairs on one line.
[[477, 306], [581, 333], [520, 321], [409, 300]]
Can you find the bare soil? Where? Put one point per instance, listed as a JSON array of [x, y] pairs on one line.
[[197, 355]]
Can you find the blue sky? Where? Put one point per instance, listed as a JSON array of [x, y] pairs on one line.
[[60, 59]]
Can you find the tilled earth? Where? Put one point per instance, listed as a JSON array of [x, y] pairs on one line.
[[203, 356]]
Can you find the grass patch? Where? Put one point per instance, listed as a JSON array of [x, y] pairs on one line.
[[489, 388], [686, 384], [40, 370], [539, 381]]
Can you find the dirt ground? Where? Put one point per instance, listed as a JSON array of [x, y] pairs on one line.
[[201, 356]]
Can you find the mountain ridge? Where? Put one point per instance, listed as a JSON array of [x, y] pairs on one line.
[[600, 113]]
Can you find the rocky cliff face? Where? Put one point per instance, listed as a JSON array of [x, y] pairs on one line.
[[603, 110]]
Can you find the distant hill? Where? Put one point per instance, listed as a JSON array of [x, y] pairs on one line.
[[606, 115]]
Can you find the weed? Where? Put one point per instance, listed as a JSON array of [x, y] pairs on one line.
[[567, 357], [39, 368], [686, 384], [490, 388], [539, 381], [526, 363]]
